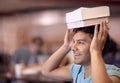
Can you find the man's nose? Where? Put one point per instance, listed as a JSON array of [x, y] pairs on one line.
[[74, 47]]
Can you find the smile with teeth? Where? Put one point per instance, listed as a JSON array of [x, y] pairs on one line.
[[77, 54]]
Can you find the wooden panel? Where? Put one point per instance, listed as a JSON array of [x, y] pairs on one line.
[[12, 6]]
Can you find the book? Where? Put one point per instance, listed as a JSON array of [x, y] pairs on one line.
[[84, 13], [85, 23]]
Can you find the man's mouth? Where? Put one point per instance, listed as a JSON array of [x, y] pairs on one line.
[[77, 54]]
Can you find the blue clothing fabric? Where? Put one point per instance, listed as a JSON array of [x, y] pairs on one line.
[[77, 73], [23, 55]]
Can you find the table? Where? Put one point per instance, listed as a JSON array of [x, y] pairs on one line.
[[39, 78]]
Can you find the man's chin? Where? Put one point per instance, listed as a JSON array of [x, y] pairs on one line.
[[76, 62]]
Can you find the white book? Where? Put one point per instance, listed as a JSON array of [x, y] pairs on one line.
[[84, 13], [79, 24]]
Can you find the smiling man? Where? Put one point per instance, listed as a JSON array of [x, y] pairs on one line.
[[89, 67]]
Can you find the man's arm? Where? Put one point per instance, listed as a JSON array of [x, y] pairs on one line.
[[52, 67], [99, 73], [115, 79]]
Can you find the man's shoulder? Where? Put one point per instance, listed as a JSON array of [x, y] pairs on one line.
[[111, 67], [113, 70]]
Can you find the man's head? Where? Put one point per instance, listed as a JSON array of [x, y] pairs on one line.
[[81, 44], [35, 45]]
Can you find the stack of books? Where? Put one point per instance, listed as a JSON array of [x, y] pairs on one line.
[[83, 16]]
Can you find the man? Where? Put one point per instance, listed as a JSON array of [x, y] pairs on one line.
[[89, 67], [35, 49], [28, 55]]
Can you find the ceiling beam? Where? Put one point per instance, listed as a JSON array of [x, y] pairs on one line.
[[38, 5]]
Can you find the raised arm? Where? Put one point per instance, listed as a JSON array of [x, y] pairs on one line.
[[99, 74], [51, 67]]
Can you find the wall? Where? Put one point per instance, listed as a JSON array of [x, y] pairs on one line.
[[18, 29]]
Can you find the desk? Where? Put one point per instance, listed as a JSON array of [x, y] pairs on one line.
[[39, 78]]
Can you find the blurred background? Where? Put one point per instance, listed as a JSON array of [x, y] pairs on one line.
[[23, 20]]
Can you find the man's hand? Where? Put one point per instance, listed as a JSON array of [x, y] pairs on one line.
[[68, 38], [99, 38]]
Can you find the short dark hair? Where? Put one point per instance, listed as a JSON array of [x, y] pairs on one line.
[[109, 44], [88, 29], [38, 41]]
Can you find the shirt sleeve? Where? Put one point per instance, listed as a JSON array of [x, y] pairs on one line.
[[113, 71]]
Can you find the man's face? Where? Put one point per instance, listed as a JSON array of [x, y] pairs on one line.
[[81, 48], [33, 48]]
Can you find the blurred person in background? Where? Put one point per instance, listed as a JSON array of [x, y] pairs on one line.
[[35, 49], [117, 57], [4, 68], [29, 55], [112, 53]]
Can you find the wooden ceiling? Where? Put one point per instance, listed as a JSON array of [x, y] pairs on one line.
[[18, 6]]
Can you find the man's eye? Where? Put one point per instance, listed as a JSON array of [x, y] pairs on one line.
[[81, 42]]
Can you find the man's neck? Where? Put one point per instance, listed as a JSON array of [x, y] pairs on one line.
[[87, 70]]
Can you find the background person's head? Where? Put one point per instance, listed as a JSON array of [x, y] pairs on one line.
[[81, 44], [36, 45]]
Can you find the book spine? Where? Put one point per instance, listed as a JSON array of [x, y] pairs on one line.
[[79, 24]]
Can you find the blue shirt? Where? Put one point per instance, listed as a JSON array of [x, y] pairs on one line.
[[77, 73]]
